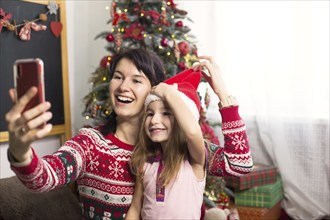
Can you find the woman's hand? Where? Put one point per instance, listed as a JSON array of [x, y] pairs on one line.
[[213, 76], [24, 128]]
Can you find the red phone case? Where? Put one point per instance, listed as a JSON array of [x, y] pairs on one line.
[[28, 73]]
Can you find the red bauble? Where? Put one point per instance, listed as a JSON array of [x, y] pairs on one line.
[[182, 66], [105, 62], [179, 24], [164, 42], [110, 38], [184, 48]]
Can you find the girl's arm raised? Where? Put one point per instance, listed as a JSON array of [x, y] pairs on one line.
[[185, 119]]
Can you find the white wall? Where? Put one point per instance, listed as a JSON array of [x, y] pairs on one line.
[[85, 19]]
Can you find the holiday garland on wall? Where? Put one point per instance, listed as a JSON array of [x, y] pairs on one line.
[[23, 30], [157, 25]]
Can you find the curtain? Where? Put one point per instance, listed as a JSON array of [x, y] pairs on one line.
[[275, 59]]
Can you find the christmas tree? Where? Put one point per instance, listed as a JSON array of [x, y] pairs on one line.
[[157, 25], [153, 24]]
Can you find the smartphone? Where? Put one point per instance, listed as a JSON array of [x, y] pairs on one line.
[[29, 73]]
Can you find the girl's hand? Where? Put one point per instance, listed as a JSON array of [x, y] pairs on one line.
[[24, 128], [212, 75], [163, 89]]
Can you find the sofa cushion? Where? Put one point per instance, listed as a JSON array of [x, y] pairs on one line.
[[18, 202]]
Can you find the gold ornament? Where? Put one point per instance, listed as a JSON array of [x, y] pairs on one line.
[[11, 27], [43, 17]]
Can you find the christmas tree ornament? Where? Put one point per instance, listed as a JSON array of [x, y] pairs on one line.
[[184, 48], [179, 24], [154, 15], [56, 28], [118, 41], [182, 65], [223, 200], [105, 62], [43, 17], [110, 38], [117, 17], [171, 4], [164, 42], [134, 31], [11, 27]]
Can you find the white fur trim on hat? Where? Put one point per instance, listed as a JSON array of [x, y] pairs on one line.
[[151, 98], [190, 103]]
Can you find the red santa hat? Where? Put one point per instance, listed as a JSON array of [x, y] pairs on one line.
[[187, 82]]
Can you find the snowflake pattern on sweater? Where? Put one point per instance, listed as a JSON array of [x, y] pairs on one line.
[[100, 165]]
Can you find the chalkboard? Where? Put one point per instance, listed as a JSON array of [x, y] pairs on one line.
[[42, 44]]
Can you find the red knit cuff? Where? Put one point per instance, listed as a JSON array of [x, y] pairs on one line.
[[230, 114], [30, 168]]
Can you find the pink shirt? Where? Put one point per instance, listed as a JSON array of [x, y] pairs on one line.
[[183, 197]]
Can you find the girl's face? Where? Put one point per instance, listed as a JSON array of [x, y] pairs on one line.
[[159, 122], [128, 89]]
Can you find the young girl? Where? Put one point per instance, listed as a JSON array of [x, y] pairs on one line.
[[169, 159]]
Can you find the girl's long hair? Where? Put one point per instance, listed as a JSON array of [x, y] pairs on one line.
[[172, 154]]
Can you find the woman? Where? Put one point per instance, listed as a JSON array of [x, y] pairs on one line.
[[97, 158]]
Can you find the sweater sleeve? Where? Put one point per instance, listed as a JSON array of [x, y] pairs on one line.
[[234, 159], [58, 169]]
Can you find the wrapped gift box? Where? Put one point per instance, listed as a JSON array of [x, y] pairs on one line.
[[253, 213], [261, 196], [260, 175]]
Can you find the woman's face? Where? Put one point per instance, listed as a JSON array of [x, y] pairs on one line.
[[128, 89]]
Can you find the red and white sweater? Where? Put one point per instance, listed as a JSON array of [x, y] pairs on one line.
[[100, 165]]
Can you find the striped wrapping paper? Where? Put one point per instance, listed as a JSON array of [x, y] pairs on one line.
[[261, 196], [260, 175]]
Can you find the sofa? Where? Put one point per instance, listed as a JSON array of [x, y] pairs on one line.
[[17, 202]]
